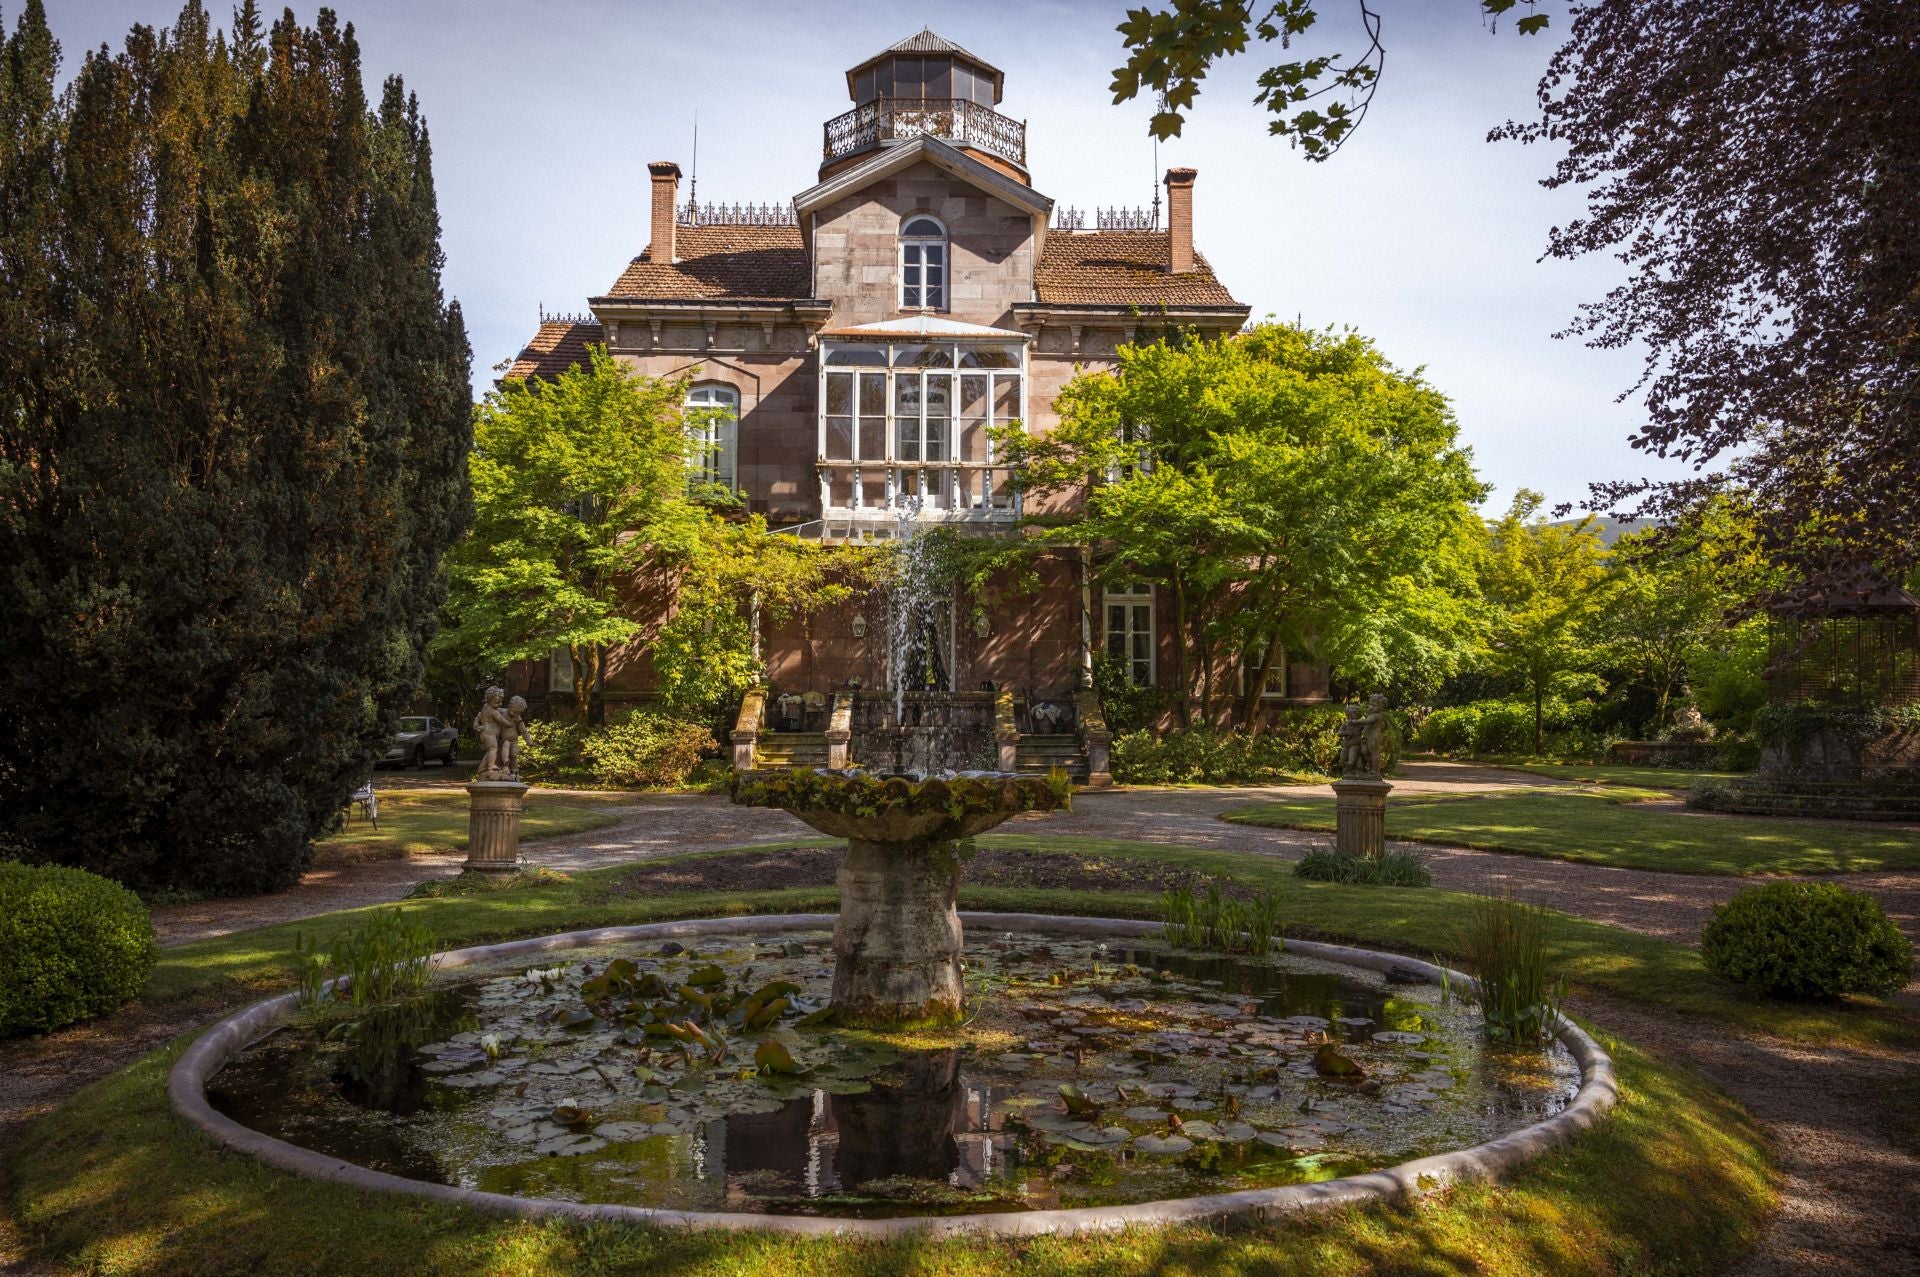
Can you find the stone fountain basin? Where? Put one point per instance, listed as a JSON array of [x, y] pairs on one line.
[[864, 807], [187, 1083]]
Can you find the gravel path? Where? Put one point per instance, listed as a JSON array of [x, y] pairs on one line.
[[1851, 1178]]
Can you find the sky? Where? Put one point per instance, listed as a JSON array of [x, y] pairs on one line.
[[1419, 233]]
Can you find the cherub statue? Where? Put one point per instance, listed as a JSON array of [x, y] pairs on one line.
[[517, 722], [1351, 744], [495, 728], [1373, 734]]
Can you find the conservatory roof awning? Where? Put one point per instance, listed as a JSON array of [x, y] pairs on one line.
[[924, 328]]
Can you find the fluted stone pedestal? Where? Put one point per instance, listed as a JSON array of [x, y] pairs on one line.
[[1360, 820], [493, 825]]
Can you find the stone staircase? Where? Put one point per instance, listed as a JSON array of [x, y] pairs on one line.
[[1038, 753], [783, 751]]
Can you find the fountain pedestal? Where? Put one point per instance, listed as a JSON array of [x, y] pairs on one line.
[[897, 943]]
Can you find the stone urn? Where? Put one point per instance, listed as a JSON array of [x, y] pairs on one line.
[[897, 942]]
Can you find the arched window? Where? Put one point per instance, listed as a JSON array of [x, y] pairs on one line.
[[713, 421], [923, 264]]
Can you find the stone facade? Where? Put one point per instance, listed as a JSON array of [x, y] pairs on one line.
[[756, 303]]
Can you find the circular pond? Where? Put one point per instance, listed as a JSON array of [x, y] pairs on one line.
[[692, 1072]]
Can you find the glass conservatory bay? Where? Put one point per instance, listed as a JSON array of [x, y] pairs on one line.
[[905, 426]]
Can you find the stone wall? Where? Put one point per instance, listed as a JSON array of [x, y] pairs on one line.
[[856, 249]]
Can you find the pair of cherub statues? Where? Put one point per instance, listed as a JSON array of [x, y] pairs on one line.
[[499, 725], [1363, 738]]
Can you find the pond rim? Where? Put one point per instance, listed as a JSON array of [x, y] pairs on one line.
[[1599, 1092]]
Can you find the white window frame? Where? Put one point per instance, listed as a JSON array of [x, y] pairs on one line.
[[713, 439], [903, 476], [1135, 604], [922, 257], [1281, 673]]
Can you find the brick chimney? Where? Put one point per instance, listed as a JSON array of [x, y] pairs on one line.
[[666, 193], [1180, 220]]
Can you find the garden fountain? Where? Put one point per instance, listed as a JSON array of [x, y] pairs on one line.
[[897, 941]]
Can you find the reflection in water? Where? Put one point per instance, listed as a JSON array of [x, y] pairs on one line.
[[903, 1127], [379, 1067]]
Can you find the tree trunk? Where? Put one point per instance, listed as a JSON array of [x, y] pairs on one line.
[[1183, 705], [1250, 700], [1539, 736], [597, 708], [582, 682]]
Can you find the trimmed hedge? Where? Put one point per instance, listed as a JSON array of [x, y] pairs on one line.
[[1506, 727], [1807, 940], [72, 945], [1293, 742]]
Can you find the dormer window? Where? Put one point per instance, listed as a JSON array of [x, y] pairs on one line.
[[923, 264]]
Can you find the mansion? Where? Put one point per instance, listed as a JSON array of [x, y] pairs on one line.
[[852, 351]]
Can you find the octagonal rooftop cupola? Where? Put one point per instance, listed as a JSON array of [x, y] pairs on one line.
[[926, 86]]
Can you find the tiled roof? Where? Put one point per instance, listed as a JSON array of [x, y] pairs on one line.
[[1121, 268], [558, 346], [721, 263]]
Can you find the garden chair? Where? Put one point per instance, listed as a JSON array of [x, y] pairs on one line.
[[367, 801]]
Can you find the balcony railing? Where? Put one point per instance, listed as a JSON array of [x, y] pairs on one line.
[[954, 119]]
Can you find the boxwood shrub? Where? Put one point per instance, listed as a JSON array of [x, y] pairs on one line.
[[1807, 940], [72, 945]]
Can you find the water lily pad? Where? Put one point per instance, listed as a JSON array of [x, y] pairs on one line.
[[1162, 1143], [772, 1056], [1328, 1062]]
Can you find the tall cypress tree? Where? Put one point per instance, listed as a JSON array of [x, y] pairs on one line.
[[233, 432]]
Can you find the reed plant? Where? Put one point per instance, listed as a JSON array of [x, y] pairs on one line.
[[1221, 921], [389, 958], [1504, 939]]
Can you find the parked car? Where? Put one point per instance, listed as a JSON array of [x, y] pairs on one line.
[[422, 738]]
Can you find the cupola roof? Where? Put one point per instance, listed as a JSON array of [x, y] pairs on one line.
[[927, 41]]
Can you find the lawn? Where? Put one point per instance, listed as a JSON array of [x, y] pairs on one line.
[[1420, 921], [1603, 829], [417, 820], [1675, 1182]]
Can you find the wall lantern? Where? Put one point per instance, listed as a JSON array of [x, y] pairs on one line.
[[859, 625], [980, 627]]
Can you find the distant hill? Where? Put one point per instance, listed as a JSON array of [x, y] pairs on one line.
[[1611, 530]]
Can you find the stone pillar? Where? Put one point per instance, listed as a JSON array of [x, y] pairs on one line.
[[1099, 748], [493, 825], [840, 732], [1360, 821], [897, 942]]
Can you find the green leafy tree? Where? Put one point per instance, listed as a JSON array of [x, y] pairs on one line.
[[1293, 491], [1677, 594], [743, 578], [233, 427], [1783, 367], [1316, 101], [1544, 586], [580, 490]]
